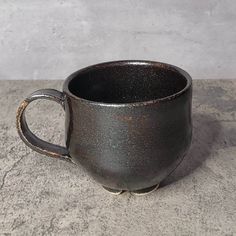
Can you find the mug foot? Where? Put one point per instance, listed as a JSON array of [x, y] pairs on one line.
[[145, 191], [113, 191], [140, 192]]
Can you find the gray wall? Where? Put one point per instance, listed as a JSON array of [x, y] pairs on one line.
[[50, 39]]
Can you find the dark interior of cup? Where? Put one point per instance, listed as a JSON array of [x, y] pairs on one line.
[[127, 82]]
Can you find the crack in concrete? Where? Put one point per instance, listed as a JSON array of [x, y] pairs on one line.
[[50, 228], [228, 121], [16, 224], [8, 171]]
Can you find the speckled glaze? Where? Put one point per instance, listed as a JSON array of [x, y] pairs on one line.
[[128, 123]]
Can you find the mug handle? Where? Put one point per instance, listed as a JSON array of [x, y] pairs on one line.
[[32, 140]]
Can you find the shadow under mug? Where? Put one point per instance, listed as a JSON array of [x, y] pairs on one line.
[[128, 123]]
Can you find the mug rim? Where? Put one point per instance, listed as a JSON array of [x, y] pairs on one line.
[[185, 74]]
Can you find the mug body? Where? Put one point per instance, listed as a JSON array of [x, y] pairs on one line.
[[128, 123]]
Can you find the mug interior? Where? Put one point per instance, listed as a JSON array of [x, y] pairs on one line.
[[127, 82]]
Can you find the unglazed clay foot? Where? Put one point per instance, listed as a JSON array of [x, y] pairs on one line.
[[113, 191], [145, 191]]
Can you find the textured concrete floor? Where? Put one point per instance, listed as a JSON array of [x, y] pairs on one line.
[[44, 196]]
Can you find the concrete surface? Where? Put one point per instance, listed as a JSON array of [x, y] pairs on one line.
[[43, 196], [50, 40]]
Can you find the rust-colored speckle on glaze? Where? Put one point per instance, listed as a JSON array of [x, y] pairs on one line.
[[20, 109], [125, 118]]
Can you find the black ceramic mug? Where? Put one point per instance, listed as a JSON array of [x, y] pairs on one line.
[[128, 123]]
